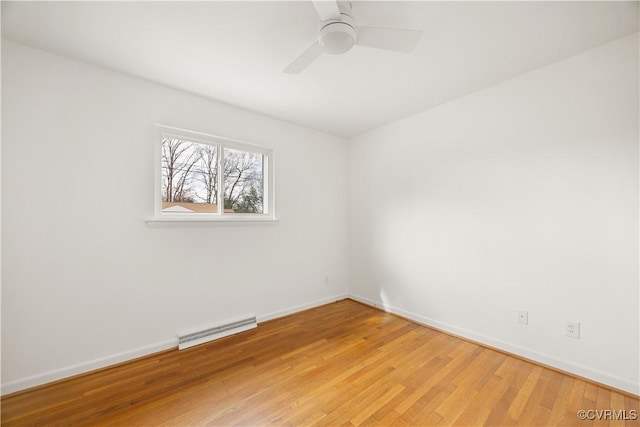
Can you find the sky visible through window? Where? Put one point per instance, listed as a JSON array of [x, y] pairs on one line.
[[191, 184]]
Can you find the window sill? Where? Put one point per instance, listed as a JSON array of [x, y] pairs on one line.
[[163, 222]]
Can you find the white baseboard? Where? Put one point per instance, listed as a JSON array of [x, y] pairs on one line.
[[301, 307], [103, 362], [542, 358], [81, 368]]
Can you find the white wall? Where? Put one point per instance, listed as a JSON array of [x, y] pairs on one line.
[[85, 282], [520, 196]]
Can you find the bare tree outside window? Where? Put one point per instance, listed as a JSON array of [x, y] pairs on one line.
[[179, 160], [207, 173], [190, 181], [243, 181]]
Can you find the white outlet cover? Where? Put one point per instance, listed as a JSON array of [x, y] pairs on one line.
[[523, 317], [572, 329]]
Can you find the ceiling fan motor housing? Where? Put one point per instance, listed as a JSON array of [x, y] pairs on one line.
[[338, 36]]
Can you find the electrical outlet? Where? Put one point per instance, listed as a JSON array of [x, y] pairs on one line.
[[523, 317], [326, 280], [572, 329]]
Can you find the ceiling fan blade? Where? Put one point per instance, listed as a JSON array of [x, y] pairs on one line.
[[327, 9], [304, 60], [388, 38]]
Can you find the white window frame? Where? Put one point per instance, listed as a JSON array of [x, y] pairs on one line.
[[221, 143]]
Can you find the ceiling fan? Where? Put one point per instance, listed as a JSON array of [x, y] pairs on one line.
[[338, 33]]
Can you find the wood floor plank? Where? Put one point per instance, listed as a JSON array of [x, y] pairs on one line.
[[339, 364], [518, 404]]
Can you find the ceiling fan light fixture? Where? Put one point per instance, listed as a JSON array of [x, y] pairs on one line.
[[338, 33], [337, 37]]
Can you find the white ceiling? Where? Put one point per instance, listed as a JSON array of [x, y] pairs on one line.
[[235, 51]]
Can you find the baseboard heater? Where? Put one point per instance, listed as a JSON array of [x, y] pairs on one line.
[[201, 336]]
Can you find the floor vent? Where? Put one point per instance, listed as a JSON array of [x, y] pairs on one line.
[[190, 339]]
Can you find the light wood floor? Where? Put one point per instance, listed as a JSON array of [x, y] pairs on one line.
[[340, 364]]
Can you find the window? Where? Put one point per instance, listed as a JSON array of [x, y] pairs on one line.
[[205, 177]]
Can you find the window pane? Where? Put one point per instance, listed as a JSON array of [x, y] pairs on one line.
[[189, 176], [243, 181]]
